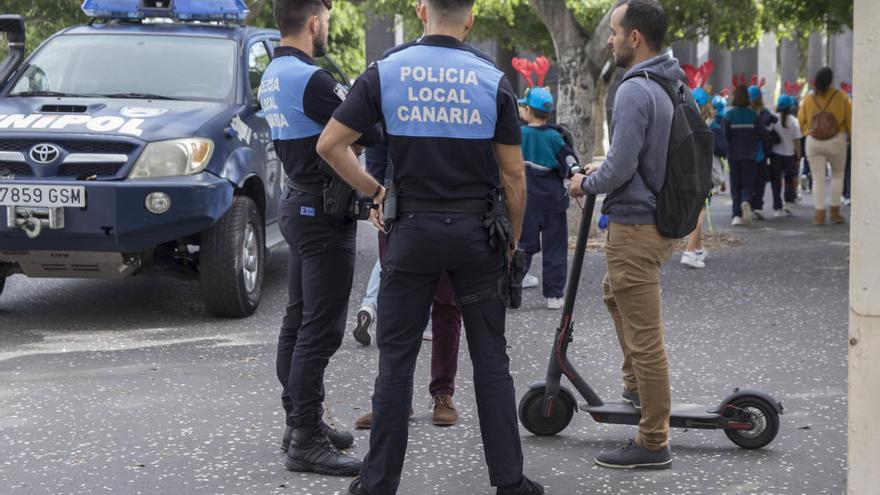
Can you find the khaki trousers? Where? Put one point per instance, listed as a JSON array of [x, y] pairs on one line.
[[635, 254]]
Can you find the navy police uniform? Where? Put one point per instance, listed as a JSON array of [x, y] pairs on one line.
[[442, 106], [298, 99]]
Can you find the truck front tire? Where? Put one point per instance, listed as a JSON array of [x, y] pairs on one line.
[[231, 260]]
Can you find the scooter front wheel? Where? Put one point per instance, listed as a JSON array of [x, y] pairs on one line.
[[532, 417], [764, 416]]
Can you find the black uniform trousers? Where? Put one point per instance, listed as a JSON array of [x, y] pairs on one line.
[[422, 246], [321, 269]]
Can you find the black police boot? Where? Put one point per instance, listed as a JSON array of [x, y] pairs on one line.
[[356, 488], [524, 487], [339, 439], [311, 451]]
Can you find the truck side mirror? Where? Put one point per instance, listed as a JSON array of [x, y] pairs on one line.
[[13, 26]]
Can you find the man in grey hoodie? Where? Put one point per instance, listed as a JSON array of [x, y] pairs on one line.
[[635, 251]]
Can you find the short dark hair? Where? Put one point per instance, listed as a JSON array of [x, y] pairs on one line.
[[450, 6], [824, 78], [648, 17], [741, 96], [292, 15], [539, 114]]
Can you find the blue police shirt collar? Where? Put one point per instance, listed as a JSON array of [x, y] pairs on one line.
[[289, 51]]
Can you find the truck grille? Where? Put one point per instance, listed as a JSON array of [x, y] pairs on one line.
[[73, 170], [17, 169], [89, 169], [24, 145]]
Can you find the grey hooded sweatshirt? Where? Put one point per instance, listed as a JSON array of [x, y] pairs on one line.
[[641, 123]]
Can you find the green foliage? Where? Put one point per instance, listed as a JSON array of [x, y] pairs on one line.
[[734, 23], [44, 17], [806, 16], [347, 33]]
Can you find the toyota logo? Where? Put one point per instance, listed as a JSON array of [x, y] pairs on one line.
[[44, 153]]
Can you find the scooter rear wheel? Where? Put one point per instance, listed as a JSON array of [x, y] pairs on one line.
[[766, 420], [532, 417]]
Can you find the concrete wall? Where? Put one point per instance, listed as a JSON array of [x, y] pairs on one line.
[[745, 61], [841, 51], [723, 59], [864, 349], [380, 37], [685, 52], [767, 66], [816, 55], [789, 60]]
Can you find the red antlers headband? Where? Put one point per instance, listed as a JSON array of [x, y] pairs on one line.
[[792, 88], [541, 66], [698, 76]]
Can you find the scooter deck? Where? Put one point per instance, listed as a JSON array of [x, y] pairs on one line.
[[683, 415]]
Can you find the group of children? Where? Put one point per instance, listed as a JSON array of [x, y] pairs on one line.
[[758, 146]]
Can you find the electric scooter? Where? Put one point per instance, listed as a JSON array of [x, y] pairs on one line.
[[749, 418]]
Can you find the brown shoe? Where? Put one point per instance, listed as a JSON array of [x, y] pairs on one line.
[[366, 421], [444, 411], [834, 215], [819, 219]]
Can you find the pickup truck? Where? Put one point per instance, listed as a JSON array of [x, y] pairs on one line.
[[135, 145]]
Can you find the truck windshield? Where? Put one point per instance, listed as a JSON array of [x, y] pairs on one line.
[[132, 66]]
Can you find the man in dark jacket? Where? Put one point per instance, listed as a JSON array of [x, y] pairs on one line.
[[756, 97]]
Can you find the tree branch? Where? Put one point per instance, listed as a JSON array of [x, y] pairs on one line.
[[255, 11]]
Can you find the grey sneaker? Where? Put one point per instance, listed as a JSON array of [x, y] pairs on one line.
[[631, 398], [634, 456]]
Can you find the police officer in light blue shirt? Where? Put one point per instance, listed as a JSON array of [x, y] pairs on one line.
[[445, 110], [298, 98]]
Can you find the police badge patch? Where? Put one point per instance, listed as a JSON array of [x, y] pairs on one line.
[[340, 91]]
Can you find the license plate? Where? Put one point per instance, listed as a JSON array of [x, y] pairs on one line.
[[42, 195]]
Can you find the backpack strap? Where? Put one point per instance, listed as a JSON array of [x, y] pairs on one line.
[[827, 103], [677, 98]]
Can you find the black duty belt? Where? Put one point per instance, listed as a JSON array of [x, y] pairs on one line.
[[474, 206], [314, 189]]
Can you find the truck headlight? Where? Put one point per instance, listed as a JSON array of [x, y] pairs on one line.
[[171, 158]]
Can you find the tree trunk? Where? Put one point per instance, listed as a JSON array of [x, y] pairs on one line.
[[580, 56]]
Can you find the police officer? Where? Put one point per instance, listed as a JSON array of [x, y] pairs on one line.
[[444, 109], [298, 99]]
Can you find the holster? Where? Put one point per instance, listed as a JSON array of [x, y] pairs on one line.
[[389, 207], [343, 201], [515, 274]]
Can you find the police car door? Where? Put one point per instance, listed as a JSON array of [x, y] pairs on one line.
[[269, 165]]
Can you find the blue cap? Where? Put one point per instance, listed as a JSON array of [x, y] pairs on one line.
[[701, 96], [755, 93], [785, 101], [539, 99], [720, 104]]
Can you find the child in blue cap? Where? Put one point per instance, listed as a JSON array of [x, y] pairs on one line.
[[785, 156], [549, 155], [694, 255]]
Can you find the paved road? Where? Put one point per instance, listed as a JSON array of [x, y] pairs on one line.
[[127, 387]]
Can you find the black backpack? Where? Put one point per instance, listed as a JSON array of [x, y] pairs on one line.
[[688, 165]]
